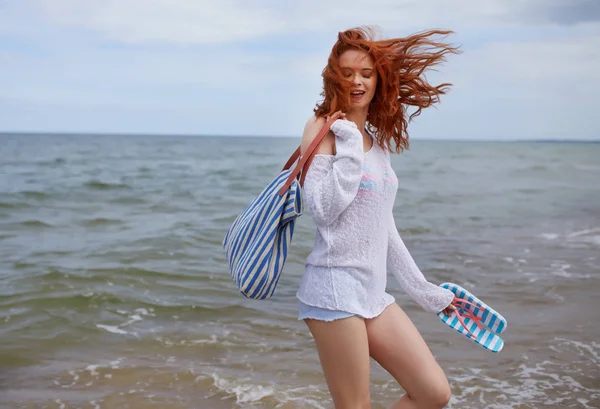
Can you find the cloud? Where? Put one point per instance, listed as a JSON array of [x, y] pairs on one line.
[[172, 21], [519, 90], [566, 12], [528, 68], [531, 62], [187, 22]]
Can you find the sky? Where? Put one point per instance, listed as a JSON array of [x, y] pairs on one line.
[[527, 69]]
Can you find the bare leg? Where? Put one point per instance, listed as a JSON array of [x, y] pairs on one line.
[[395, 343], [344, 355]]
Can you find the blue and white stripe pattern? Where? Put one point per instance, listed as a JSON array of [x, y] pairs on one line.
[[256, 245], [492, 322]]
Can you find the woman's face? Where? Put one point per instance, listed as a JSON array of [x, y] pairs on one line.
[[358, 67]]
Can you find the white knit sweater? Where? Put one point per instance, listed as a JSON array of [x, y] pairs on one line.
[[351, 196]]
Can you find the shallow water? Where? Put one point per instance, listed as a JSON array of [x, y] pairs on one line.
[[114, 292]]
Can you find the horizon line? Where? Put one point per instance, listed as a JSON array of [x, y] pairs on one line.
[[192, 135]]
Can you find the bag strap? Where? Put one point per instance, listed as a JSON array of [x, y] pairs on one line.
[[306, 160]]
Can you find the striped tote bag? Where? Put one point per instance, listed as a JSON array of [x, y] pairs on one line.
[[257, 243]]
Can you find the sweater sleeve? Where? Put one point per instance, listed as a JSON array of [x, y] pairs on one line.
[[332, 181], [430, 297]]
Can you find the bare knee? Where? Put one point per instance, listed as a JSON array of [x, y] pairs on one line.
[[441, 397], [438, 397]]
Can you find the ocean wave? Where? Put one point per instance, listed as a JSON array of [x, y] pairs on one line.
[[164, 382], [65, 299], [99, 185], [53, 252], [252, 393], [243, 390], [14, 205], [136, 272], [132, 317], [51, 163], [24, 265], [34, 194], [34, 223], [540, 383], [585, 236], [415, 231], [128, 200], [66, 291], [101, 221]]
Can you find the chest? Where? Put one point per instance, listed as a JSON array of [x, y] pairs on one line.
[[379, 181]]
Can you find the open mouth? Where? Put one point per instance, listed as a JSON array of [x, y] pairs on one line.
[[357, 93]]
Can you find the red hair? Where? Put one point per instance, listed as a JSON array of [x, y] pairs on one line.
[[400, 64]]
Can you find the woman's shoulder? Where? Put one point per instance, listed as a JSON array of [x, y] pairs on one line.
[[313, 125], [311, 128]]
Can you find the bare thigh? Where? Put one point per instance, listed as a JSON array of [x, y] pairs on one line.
[[343, 351], [396, 344]]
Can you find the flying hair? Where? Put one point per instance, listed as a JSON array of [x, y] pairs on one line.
[[400, 64]]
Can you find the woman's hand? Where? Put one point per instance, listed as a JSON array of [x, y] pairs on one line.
[[448, 310], [337, 115]]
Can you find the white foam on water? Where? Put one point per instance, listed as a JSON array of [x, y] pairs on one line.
[[87, 375], [137, 315], [249, 394], [115, 364], [243, 390], [533, 277], [560, 270], [547, 383], [584, 232], [587, 236], [585, 402], [588, 351], [213, 340], [301, 401], [551, 294], [588, 240], [74, 375], [112, 328], [144, 311], [92, 369], [133, 317]]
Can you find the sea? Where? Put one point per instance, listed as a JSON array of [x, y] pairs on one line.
[[115, 291]]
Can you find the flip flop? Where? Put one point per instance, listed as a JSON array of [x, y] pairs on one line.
[[474, 319]]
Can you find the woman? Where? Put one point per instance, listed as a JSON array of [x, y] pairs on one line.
[[350, 190]]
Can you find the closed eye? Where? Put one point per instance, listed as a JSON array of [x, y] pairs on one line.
[[365, 72]]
